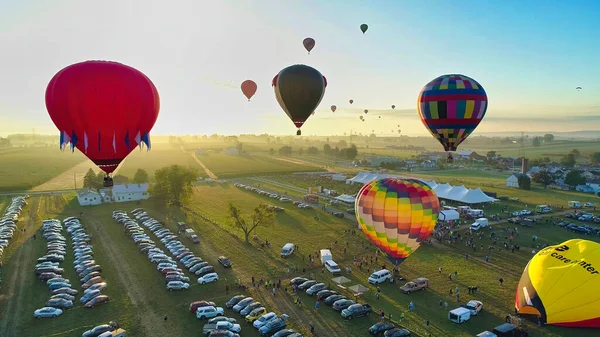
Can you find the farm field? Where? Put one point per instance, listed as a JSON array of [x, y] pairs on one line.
[[139, 300], [227, 166], [159, 156], [24, 168]]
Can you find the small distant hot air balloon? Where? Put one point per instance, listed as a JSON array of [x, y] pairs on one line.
[[379, 116], [299, 89], [249, 88], [393, 106], [578, 88], [309, 44], [451, 107], [397, 215], [559, 285], [104, 109], [364, 27], [366, 111], [333, 108], [351, 101]]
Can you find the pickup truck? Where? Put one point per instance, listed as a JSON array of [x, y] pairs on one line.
[[357, 310], [222, 325], [417, 284]]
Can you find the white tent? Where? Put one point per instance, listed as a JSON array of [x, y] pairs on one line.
[[346, 198], [431, 183], [456, 193], [448, 215], [441, 190], [476, 196]]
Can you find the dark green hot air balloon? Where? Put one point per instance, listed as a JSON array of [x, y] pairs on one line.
[[299, 89], [364, 27]]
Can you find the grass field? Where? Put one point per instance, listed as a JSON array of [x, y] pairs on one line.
[[227, 166], [24, 168], [159, 156]]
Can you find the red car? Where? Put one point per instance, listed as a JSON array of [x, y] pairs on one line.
[[96, 301], [170, 270], [199, 304]]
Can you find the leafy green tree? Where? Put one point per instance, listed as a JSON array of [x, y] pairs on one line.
[[536, 142], [595, 158], [174, 184], [574, 178], [568, 160], [90, 180], [576, 153], [548, 138], [491, 155], [285, 150], [524, 182], [141, 176], [312, 150], [120, 179], [100, 179], [271, 151], [543, 177], [327, 149], [262, 216]]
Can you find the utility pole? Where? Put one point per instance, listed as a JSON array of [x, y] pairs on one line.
[[74, 181]]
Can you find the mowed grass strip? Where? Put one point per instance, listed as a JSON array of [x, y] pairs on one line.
[[228, 166], [159, 156], [24, 168]]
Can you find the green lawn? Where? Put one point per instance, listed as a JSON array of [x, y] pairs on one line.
[[158, 157], [22, 168], [228, 166]]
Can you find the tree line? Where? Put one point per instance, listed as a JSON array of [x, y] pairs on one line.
[[95, 180], [349, 152]]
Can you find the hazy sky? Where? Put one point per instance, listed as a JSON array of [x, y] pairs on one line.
[[529, 56]]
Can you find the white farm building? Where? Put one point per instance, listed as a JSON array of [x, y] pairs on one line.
[[88, 197], [117, 193]]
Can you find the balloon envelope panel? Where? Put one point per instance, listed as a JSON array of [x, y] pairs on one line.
[[397, 214], [560, 284], [451, 107]]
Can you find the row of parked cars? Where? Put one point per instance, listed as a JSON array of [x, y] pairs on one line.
[[299, 204], [267, 323], [8, 222], [85, 265], [48, 269], [584, 216], [347, 308]]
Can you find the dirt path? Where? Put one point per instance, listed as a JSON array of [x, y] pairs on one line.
[[299, 162], [133, 287], [13, 293], [71, 178], [208, 172]]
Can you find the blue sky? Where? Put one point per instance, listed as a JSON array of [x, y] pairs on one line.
[[528, 55]]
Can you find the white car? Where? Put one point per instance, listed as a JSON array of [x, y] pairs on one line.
[[208, 278], [264, 319], [177, 285], [208, 312], [474, 306], [46, 312]]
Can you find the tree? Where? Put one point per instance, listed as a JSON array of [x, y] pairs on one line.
[[548, 138], [350, 152], [327, 149], [262, 216], [543, 177], [100, 179], [576, 153], [173, 184], [491, 155], [524, 182], [271, 151], [595, 158], [89, 180], [140, 177], [568, 160], [285, 150], [5, 143], [536, 142], [574, 178], [342, 144], [312, 150], [301, 151], [120, 179]]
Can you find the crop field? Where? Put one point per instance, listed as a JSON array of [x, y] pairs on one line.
[[227, 166], [24, 168], [159, 156], [139, 300]]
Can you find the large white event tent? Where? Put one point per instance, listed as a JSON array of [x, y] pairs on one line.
[[443, 191]]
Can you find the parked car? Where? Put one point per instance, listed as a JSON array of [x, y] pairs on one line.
[[177, 285], [60, 303], [242, 304], [224, 261], [397, 332], [380, 328], [418, 284], [474, 306], [233, 301], [356, 310], [223, 333], [208, 312], [259, 321], [198, 304], [250, 307], [100, 299], [98, 330], [222, 318], [342, 304], [316, 288], [208, 278], [47, 312], [333, 298], [307, 284], [273, 326], [298, 280]]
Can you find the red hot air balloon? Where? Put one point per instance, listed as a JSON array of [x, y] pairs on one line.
[[104, 109], [249, 88], [309, 44], [299, 89], [333, 108]]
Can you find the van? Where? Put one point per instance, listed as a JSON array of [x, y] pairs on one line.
[[380, 276], [288, 249], [325, 255], [459, 315], [574, 204], [543, 209], [475, 212], [332, 267]]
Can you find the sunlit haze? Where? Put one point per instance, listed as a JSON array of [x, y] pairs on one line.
[[529, 56]]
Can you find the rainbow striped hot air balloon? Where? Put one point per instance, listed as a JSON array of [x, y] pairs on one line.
[[397, 214], [451, 107]]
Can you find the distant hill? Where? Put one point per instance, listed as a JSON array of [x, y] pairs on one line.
[[583, 134]]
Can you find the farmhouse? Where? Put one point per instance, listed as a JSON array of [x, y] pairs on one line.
[[513, 180], [130, 192], [88, 197], [470, 155], [377, 161], [231, 151]]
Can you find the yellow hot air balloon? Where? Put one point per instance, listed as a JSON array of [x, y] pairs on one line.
[[397, 214], [560, 285]]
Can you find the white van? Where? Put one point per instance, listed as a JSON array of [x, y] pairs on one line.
[[479, 223], [288, 249], [459, 315], [325, 255], [380, 276], [332, 267], [475, 212]]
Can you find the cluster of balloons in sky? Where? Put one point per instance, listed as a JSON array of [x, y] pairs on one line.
[[105, 109]]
